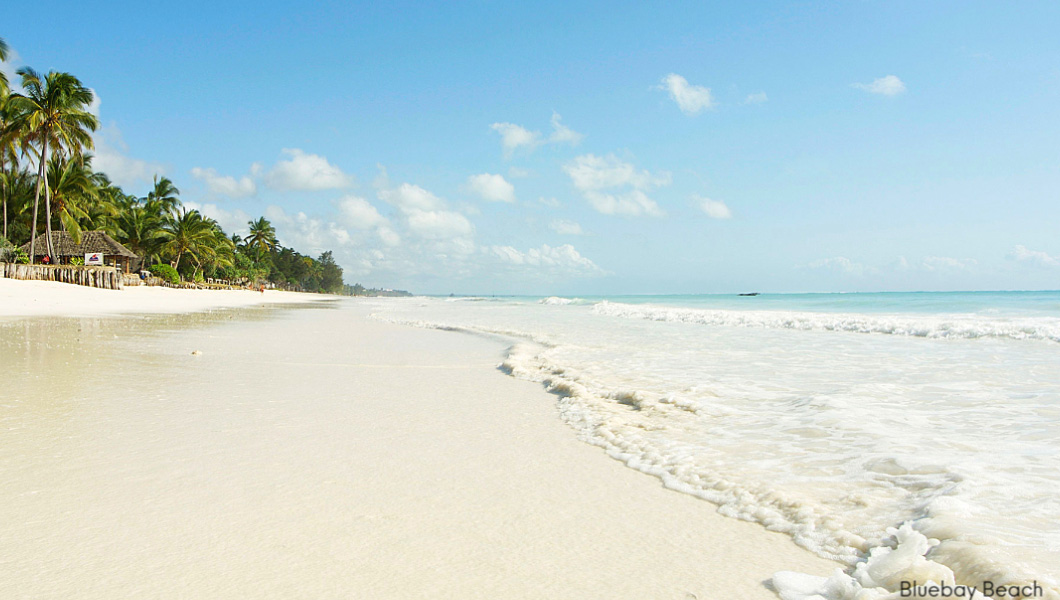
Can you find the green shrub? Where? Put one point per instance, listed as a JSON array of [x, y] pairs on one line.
[[7, 250], [166, 272], [21, 256], [77, 261]]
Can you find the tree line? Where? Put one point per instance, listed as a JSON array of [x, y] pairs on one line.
[[45, 154]]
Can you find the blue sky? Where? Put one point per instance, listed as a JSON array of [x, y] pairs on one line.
[[580, 148]]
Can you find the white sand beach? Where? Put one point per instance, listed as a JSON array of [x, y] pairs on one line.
[[48, 298], [315, 453]]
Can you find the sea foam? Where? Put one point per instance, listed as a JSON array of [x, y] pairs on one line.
[[935, 326], [922, 448]]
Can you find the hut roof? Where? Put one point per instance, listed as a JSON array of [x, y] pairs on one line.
[[91, 241]]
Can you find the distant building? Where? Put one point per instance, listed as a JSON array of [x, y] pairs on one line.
[[114, 254]]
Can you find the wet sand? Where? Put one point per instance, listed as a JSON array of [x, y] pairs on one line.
[[316, 453]]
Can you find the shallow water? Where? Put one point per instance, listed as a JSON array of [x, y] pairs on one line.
[[830, 417]]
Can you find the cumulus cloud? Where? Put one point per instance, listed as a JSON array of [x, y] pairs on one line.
[[561, 134], [225, 185], [514, 137], [549, 202], [111, 157], [691, 99], [310, 235], [358, 213], [233, 221], [305, 172], [715, 209], [10, 67], [839, 264], [564, 260], [615, 187], [493, 188], [409, 197], [886, 86], [757, 98], [564, 227], [439, 224], [1034, 257], [946, 263]]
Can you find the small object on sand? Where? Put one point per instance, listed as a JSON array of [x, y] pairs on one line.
[[196, 352]]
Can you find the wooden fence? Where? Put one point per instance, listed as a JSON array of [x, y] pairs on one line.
[[107, 278]]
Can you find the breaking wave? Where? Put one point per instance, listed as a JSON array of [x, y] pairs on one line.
[[948, 326]]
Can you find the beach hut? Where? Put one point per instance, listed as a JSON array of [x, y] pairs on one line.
[[92, 242]]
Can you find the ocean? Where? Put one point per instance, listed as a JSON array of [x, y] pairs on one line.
[[865, 426]]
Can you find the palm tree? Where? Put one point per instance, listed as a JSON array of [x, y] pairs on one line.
[[7, 146], [163, 197], [3, 57], [52, 112], [188, 234], [262, 237], [75, 197]]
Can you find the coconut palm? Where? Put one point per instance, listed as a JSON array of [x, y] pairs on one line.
[[20, 187], [189, 234], [52, 112], [163, 197], [262, 237], [3, 77], [7, 148], [75, 195]]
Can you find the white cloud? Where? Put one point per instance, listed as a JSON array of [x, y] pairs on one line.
[[691, 99], [439, 224], [410, 197], [561, 134], [715, 209], [559, 260], [886, 86], [946, 263], [549, 202], [93, 107], [358, 213], [493, 188], [1034, 257], [306, 172], [518, 173], [308, 235], [111, 158], [615, 187], [840, 264], [564, 227], [634, 203], [232, 221], [757, 98], [9, 68], [514, 137], [225, 185]]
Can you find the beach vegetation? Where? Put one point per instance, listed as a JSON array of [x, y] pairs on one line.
[[45, 154], [165, 273], [53, 115]]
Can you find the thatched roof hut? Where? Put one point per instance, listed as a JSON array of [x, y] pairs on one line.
[[114, 254]]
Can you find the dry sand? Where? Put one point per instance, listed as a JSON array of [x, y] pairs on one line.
[[43, 298], [316, 453]]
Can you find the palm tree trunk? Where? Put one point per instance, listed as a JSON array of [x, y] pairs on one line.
[[3, 174], [36, 203], [48, 215]]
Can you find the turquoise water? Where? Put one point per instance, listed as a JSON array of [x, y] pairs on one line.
[[1008, 303], [830, 417]]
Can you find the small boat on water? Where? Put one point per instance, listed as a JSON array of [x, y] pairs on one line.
[[750, 294]]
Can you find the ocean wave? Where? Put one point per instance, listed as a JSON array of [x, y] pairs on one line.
[[953, 326], [560, 301]]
